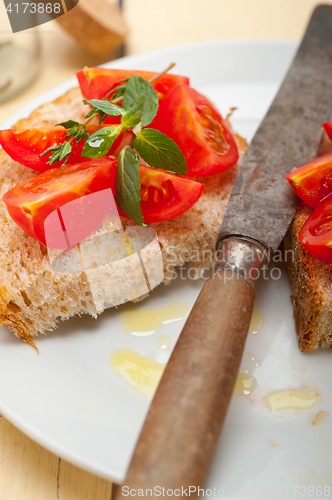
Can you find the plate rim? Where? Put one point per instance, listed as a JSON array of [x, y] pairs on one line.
[[66, 85], [28, 429]]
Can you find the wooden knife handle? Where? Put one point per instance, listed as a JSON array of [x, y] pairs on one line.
[[178, 439]]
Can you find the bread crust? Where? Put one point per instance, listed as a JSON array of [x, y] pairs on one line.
[[311, 282], [33, 298], [186, 239]]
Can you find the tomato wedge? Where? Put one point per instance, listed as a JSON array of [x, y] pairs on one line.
[[58, 207], [204, 138], [62, 206], [316, 232], [165, 195], [328, 128], [313, 181], [95, 83], [26, 145]]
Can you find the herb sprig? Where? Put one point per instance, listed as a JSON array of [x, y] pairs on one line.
[[139, 106]]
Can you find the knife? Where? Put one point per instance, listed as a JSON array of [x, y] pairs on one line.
[[178, 438]]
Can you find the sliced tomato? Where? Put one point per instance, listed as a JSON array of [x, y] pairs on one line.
[[26, 145], [328, 128], [313, 181], [316, 232], [95, 83], [204, 138], [165, 195], [62, 206]]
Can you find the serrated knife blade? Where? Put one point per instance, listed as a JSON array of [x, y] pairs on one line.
[[178, 439], [262, 203]]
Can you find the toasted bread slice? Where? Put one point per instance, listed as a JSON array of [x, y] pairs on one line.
[[33, 297], [311, 281]]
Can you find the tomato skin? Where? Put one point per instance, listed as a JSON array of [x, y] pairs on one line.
[[30, 204], [95, 83], [34, 205], [35, 141], [328, 128], [165, 195], [26, 145], [316, 232], [312, 182], [191, 120]]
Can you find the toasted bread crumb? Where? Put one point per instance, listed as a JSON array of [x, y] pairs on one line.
[[33, 297]]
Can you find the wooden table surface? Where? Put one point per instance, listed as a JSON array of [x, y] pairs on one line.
[[27, 471]]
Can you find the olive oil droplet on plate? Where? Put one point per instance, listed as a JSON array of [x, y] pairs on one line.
[[297, 399], [141, 372], [245, 384], [257, 322], [164, 342], [144, 321]]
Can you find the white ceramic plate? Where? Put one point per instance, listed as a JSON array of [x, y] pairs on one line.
[[70, 400]]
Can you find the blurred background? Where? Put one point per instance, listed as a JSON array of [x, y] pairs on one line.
[[60, 48], [148, 25]]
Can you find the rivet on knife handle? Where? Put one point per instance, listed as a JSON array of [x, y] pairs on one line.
[[180, 433]]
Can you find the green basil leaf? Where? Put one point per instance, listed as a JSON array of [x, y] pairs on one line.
[[82, 134], [60, 152], [128, 185], [102, 117], [136, 89], [68, 124], [133, 116], [92, 111], [72, 131], [54, 158], [160, 151], [99, 143], [105, 106], [116, 92], [49, 150], [66, 149]]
